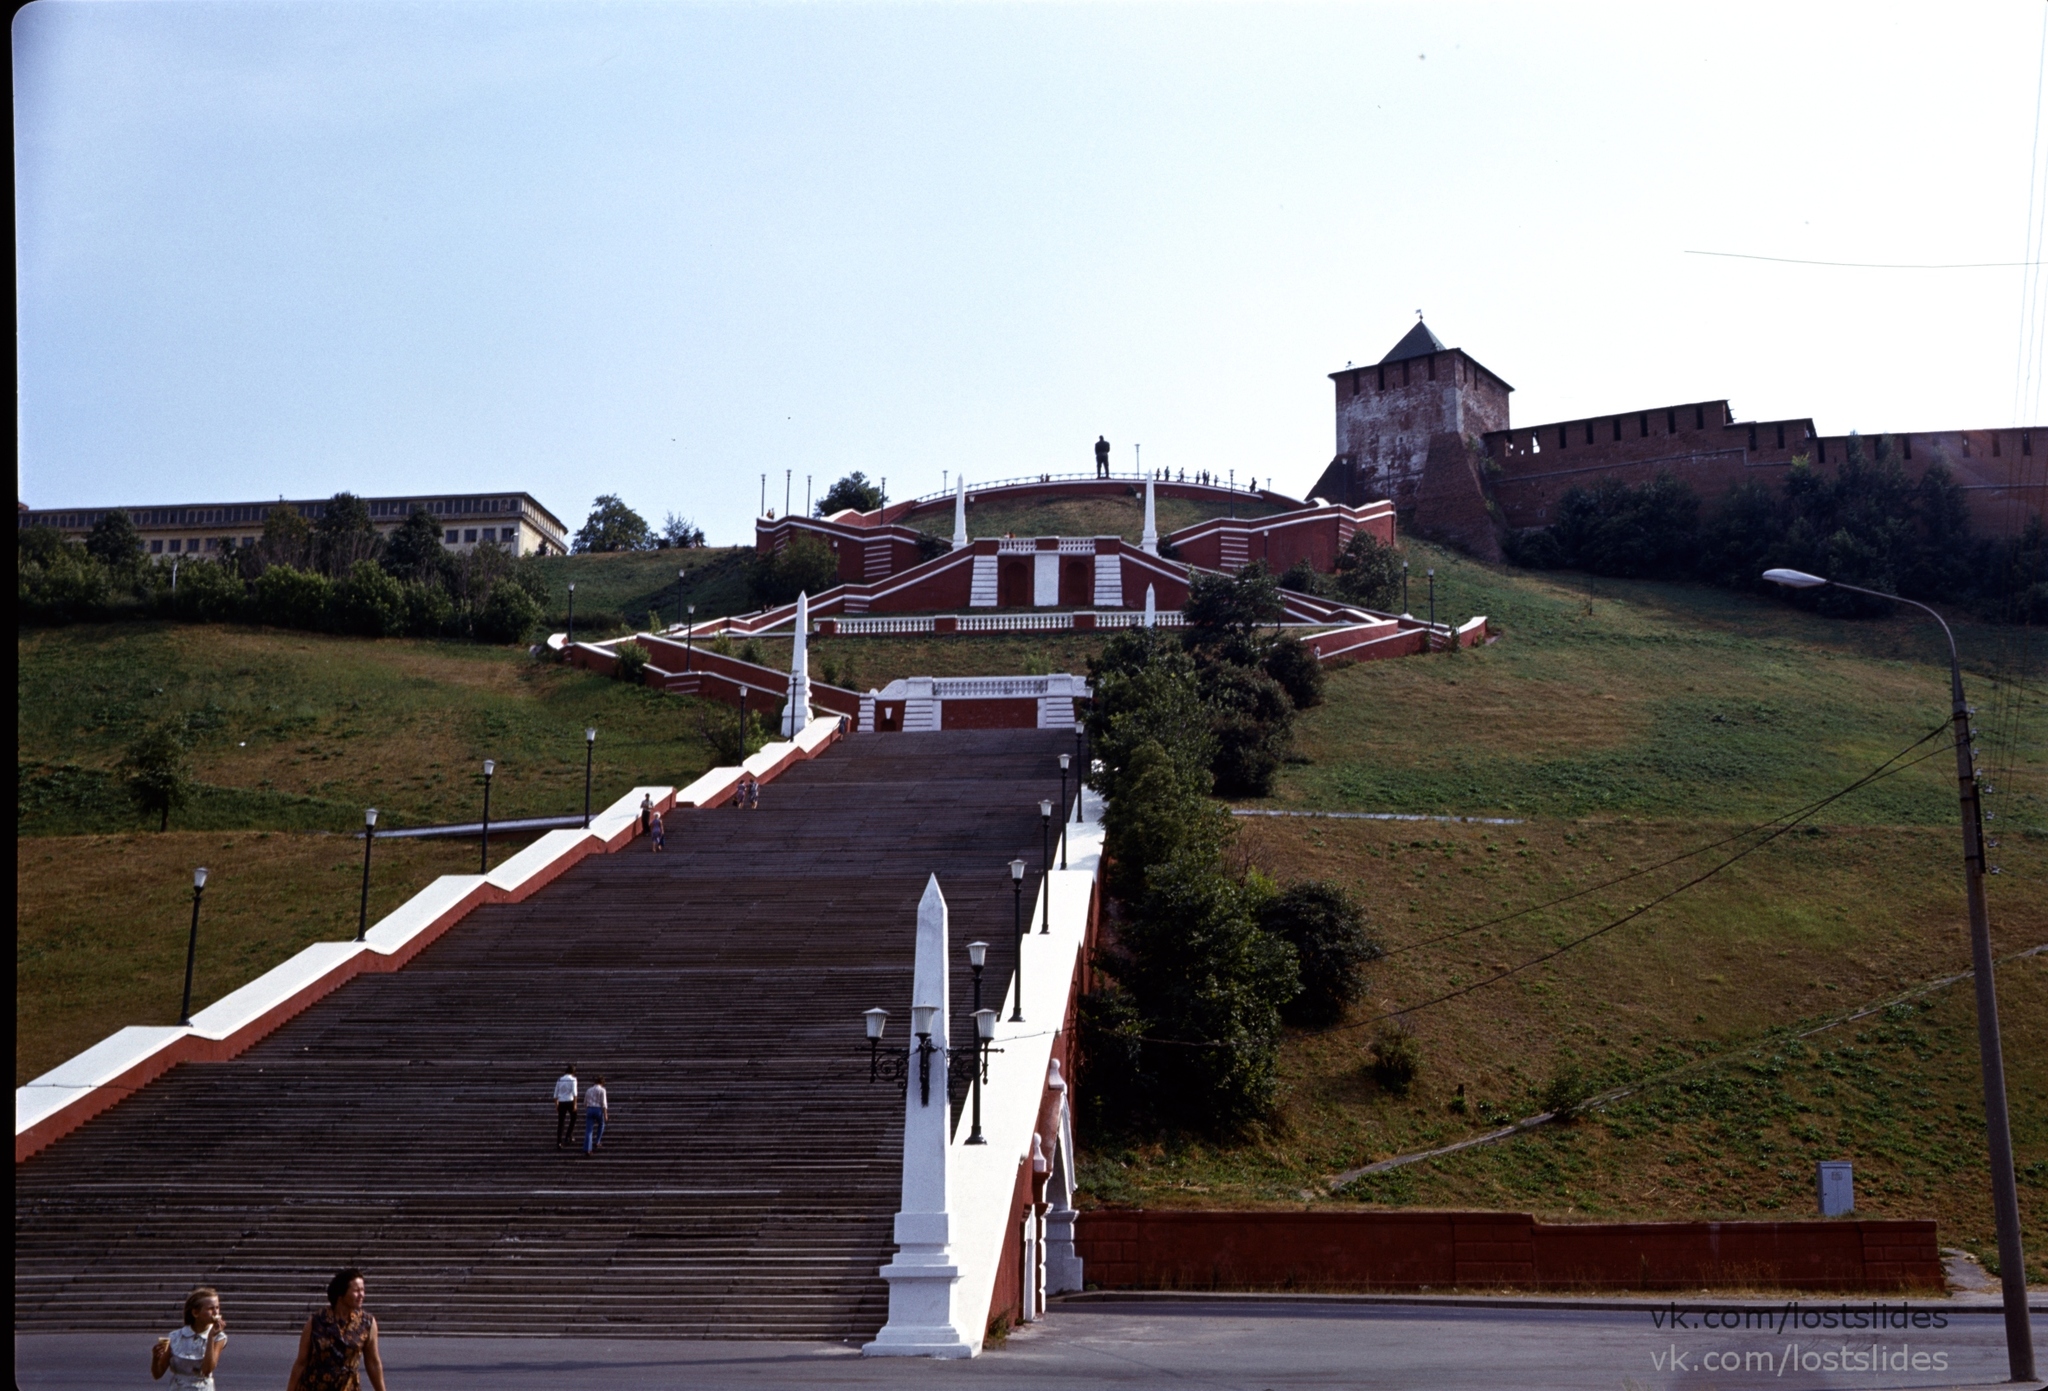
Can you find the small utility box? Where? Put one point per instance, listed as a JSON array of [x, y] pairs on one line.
[[1837, 1183]]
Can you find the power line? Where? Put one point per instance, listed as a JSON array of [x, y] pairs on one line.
[[1873, 265], [1632, 915], [1799, 813]]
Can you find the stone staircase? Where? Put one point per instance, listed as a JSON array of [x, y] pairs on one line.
[[404, 1124]]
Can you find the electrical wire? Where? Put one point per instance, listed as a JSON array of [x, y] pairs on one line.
[[1797, 813]]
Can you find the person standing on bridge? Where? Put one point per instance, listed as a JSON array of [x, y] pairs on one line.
[[337, 1341], [597, 1109], [192, 1351], [565, 1107], [1101, 457]]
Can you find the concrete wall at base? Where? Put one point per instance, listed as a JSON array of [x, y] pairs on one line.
[[1148, 1249]]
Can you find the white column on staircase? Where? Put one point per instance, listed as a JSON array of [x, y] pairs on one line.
[[1149, 541], [797, 713], [960, 515], [1151, 608], [924, 1277]]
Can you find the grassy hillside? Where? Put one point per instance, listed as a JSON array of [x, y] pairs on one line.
[[292, 735], [615, 590], [1622, 725], [1085, 516]]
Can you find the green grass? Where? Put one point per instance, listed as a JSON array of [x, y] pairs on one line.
[[1086, 516], [295, 731], [615, 590]]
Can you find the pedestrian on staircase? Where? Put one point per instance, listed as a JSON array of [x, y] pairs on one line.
[[565, 1107], [193, 1349], [659, 833], [646, 810], [753, 793], [337, 1341], [597, 1109]]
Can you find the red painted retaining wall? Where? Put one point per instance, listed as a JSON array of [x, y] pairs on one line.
[[1146, 1249]]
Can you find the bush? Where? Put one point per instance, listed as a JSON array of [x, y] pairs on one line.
[[1252, 722], [1293, 664], [731, 742], [1303, 578], [1207, 986], [853, 491], [285, 597], [1566, 1090], [511, 613], [428, 610], [1647, 532], [59, 583], [632, 662], [369, 603], [1327, 931], [1160, 814], [805, 565], [1227, 611], [1369, 572], [155, 774], [1396, 1059], [206, 591]]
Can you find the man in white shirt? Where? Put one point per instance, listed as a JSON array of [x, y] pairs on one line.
[[565, 1108]]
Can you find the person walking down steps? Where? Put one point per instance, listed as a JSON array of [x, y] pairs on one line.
[[658, 834], [597, 1109], [565, 1108]]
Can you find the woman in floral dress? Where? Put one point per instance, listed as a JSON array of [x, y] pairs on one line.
[[338, 1340]]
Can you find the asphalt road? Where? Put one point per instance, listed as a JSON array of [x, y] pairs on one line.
[[1230, 1344]]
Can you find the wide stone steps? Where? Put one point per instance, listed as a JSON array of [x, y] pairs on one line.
[[404, 1124]]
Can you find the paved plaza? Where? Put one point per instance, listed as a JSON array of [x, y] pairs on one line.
[[1231, 1344]]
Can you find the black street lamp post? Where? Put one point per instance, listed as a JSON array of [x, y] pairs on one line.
[[589, 750], [1017, 921], [192, 945], [2005, 1205], [689, 635], [484, 842], [1432, 603], [1404, 586], [572, 620], [1081, 763], [682, 610], [1065, 759], [977, 958], [1045, 873], [369, 839]]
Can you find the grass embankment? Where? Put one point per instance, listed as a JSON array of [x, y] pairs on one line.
[[292, 735], [615, 591], [1626, 724], [1087, 516]]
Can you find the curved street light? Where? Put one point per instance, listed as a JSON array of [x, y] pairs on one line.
[[2005, 1205]]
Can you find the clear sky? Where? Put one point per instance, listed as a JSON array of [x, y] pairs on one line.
[[288, 248]]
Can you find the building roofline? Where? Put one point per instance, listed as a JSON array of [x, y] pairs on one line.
[[1375, 366]]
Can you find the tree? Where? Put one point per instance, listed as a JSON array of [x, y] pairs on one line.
[[344, 534], [369, 603], [508, 615], [805, 565], [1206, 984], [287, 540], [1303, 578], [57, 582], [613, 526], [1294, 664], [1327, 931], [285, 597], [414, 551], [1226, 611], [1252, 721], [852, 491], [114, 542], [1369, 572], [156, 775], [681, 533]]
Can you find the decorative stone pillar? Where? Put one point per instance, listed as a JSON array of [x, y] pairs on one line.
[[1149, 541], [1062, 1266], [797, 713], [924, 1278], [960, 515]]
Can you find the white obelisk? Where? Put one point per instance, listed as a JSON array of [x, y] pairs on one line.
[[1151, 609], [1149, 542], [924, 1278], [960, 515], [797, 713]]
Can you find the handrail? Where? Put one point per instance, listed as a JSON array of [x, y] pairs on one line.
[[1027, 480]]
